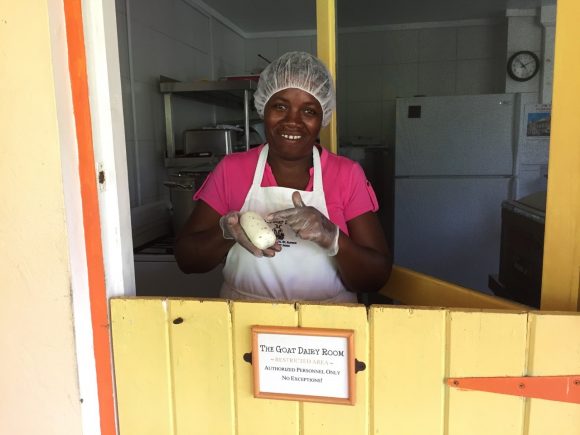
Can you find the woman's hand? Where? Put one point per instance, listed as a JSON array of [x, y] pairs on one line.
[[309, 224], [231, 228]]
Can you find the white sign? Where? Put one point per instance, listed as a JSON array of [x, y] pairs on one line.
[[310, 364]]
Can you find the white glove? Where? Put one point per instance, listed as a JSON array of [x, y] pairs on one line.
[[309, 224]]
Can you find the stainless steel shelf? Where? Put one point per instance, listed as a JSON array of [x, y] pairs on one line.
[[199, 163], [228, 93], [191, 89]]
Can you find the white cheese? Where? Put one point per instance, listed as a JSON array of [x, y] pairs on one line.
[[257, 230]]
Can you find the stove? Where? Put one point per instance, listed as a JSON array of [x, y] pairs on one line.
[[157, 273], [161, 246]]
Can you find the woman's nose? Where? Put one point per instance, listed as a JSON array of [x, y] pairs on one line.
[[293, 116]]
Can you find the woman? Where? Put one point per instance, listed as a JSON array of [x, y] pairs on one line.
[[330, 243]]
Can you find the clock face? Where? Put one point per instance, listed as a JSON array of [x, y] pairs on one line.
[[523, 65]]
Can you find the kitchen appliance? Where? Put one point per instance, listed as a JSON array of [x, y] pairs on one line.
[[454, 159], [256, 137], [522, 250], [182, 185], [157, 274], [205, 142], [233, 94], [221, 139]]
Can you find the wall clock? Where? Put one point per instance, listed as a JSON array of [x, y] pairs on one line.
[[523, 65]]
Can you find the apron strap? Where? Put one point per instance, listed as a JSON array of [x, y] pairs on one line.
[[260, 166], [317, 166]]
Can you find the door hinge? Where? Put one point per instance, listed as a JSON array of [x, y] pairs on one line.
[[558, 388]]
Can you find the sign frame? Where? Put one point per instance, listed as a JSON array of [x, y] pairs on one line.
[[346, 334]]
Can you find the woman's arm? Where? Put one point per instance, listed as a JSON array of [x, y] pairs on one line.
[[363, 259], [200, 245]]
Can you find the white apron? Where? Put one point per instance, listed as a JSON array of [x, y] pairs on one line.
[[302, 270]]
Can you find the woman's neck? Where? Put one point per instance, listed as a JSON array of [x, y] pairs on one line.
[[294, 174]]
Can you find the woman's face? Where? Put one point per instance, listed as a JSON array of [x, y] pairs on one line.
[[292, 120]]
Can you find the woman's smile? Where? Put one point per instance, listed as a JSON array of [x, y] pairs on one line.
[[290, 137]]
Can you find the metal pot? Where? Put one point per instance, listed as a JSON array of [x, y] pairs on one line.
[[182, 186]]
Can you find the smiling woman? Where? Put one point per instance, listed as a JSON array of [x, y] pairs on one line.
[[329, 243], [292, 121]]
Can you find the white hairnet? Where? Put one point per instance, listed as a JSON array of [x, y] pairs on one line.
[[297, 70]]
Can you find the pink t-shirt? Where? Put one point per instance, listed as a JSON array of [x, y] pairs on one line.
[[347, 191]]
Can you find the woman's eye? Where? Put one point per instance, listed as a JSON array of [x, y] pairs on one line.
[[279, 106], [310, 112]]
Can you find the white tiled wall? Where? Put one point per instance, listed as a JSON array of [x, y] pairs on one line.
[[228, 50], [399, 47], [271, 48], [374, 68]]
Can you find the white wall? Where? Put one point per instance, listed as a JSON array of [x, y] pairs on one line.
[[273, 47], [177, 40], [156, 37], [228, 57], [374, 68], [39, 390]]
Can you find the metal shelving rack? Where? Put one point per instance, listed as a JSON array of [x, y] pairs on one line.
[[227, 93]]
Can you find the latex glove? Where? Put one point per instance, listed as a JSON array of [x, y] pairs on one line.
[[232, 230], [309, 224]]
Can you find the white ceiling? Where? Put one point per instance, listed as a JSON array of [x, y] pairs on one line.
[[254, 16]]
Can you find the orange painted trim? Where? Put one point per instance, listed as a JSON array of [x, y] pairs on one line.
[[558, 388], [91, 219]]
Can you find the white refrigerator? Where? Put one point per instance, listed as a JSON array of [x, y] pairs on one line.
[[454, 165]]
